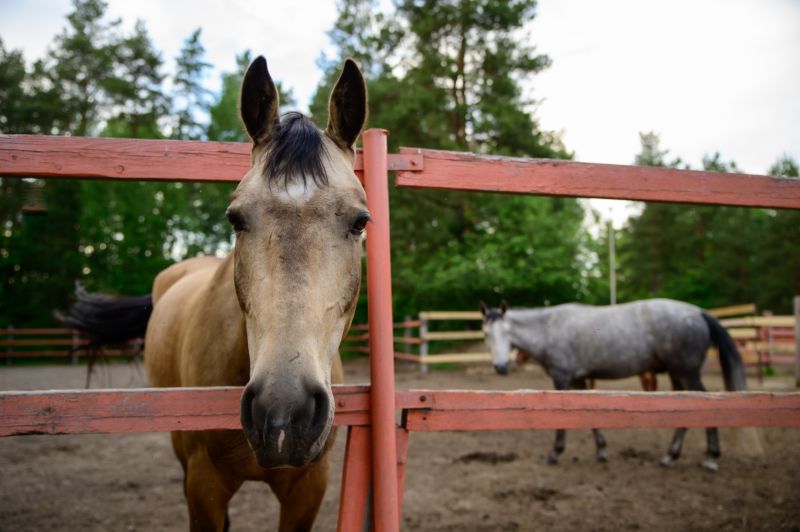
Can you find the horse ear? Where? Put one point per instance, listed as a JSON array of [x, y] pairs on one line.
[[503, 307], [259, 103], [483, 309], [347, 108]]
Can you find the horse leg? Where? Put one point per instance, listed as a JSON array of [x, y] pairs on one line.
[[599, 439], [560, 382], [300, 493], [712, 437], [207, 493], [674, 451]]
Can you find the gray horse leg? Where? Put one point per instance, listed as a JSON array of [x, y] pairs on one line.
[[599, 439], [558, 447], [712, 437], [560, 382], [600, 444], [674, 451]]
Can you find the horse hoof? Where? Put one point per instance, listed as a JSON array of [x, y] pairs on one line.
[[666, 461], [710, 465], [601, 457], [552, 459]]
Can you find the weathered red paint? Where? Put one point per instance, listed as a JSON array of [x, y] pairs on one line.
[[353, 494], [356, 481], [549, 177], [146, 410], [138, 159], [471, 410], [381, 342]]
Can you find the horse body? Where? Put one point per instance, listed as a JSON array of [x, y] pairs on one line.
[[614, 342], [575, 343], [271, 315]]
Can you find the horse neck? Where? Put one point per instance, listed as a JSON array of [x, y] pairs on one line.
[[528, 331], [222, 307]]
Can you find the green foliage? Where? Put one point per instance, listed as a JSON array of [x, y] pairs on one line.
[[710, 256], [13, 100], [447, 75], [112, 236], [188, 91]]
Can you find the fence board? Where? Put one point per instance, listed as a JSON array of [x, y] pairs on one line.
[[170, 409], [759, 321], [472, 172], [456, 357], [453, 335], [467, 410], [439, 315], [146, 410], [733, 310], [138, 159]]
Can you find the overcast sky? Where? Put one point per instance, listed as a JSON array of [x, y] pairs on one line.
[[710, 75]]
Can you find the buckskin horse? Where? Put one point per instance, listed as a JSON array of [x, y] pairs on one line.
[[270, 316], [574, 343]]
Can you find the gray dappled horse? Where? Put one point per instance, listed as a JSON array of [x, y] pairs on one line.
[[575, 342]]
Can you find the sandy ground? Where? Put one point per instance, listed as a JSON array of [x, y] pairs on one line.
[[456, 481]]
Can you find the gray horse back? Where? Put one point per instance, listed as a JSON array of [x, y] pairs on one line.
[[622, 340]]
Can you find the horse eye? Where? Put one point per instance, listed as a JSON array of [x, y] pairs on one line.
[[236, 220], [360, 223]]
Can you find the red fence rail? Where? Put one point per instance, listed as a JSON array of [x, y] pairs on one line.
[[139, 159], [548, 177], [176, 409]]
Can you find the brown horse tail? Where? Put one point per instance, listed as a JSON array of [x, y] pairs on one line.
[[107, 319], [729, 357]]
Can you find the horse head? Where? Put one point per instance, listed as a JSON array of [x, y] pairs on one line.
[[299, 215], [496, 335]]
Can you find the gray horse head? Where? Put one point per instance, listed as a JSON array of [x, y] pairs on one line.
[[496, 335]]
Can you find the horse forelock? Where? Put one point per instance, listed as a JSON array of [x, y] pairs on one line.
[[296, 151]]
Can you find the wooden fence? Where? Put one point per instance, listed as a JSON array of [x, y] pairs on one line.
[[376, 449], [27, 343]]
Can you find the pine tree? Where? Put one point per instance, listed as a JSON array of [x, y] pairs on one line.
[[190, 96]]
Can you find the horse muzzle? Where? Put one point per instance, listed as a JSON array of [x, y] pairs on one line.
[[286, 425], [501, 369]]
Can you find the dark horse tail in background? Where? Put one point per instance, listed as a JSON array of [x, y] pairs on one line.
[[575, 342], [106, 319], [729, 358]]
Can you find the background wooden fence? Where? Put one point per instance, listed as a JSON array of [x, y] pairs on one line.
[[27, 343]]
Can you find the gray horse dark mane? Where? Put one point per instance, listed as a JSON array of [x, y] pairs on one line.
[[296, 150]]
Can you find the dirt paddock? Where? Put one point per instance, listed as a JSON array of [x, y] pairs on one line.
[[455, 481]]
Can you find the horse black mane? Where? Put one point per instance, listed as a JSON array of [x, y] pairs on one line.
[[296, 149]]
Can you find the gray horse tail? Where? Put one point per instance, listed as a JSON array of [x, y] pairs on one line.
[[729, 357]]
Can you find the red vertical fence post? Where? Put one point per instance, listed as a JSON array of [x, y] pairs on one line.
[[354, 494], [381, 332]]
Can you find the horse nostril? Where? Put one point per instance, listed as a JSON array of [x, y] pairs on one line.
[[319, 418], [247, 406], [253, 411]]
